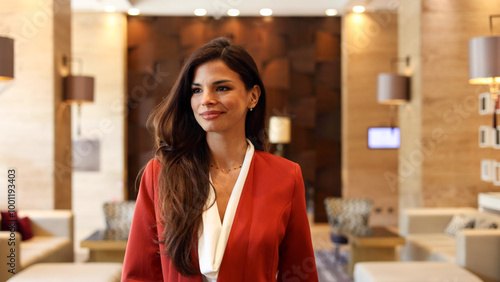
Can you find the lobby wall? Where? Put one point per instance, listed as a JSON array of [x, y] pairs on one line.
[[99, 50], [34, 122], [439, 161], [369, 42]]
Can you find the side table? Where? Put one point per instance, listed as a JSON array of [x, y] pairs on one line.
[[380, 245], [106, 245]]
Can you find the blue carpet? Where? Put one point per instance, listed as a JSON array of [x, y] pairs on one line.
[[330, 270]]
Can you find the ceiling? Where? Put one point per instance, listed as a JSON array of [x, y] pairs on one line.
[[219, 7]]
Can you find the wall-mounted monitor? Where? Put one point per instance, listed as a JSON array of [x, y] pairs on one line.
[[384, 137]]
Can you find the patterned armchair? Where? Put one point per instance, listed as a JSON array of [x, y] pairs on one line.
[[118, 217], [347, 215]]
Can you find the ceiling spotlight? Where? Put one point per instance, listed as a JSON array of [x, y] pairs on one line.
[[358, 9], [200, 12], [134, 11], [233, 12], [331, 12], [110, 9], [266, 12]]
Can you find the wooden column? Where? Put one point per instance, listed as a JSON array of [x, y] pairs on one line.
[[369, 43], [439, 160]]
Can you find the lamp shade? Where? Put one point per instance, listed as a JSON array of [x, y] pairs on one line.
[[392, 89], [280, 128], [6, 58], [79, 89], [484, 60]]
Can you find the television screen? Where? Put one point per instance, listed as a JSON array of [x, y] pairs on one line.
[[384, 137]]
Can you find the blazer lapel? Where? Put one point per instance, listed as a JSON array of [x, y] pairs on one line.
[[235, 255]]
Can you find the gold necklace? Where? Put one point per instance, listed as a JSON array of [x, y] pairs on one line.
[[226, 170]]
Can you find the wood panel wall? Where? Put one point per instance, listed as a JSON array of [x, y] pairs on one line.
[[299, 61], [441, 161], [369, 44]]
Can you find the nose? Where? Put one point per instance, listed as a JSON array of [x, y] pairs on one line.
[[208, 98]]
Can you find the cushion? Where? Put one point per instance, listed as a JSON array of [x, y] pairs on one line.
[[7, 219], [24, 227], [459, 222], [484, 223], [426, 247], [40, 248]]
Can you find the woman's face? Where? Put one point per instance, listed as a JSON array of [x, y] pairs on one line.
[[219, 99]]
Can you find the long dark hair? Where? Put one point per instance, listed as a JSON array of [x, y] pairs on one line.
[[183, 152]]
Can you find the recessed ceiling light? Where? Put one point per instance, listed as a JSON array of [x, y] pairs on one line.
[[358, 9], [233, 12], [200, 12], [331, 12], [110, 9], [266, 12], [134, 11]]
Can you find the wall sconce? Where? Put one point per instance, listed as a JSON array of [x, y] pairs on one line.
[[484, 64], [280, 128], [77, 90], [393, 89], [6, 58]]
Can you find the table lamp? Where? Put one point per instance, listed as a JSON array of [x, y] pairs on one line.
[[280, 128]]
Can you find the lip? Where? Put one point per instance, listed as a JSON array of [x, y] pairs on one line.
[[208, 115]]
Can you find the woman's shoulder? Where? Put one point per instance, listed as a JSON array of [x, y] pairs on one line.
[[152, 169], [274, 161], [153, 165]]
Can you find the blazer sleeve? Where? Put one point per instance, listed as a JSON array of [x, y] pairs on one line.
[[296, 255], [142, 257]]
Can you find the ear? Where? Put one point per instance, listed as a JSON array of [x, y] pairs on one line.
[[254, 96]]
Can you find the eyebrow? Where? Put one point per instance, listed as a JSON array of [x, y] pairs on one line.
[[215, 82]]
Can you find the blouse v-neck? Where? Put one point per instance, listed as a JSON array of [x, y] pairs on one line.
[[214, 234]]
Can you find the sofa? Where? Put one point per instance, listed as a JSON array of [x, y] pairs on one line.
[[52, 240], [428, 238], [411, 271], [74, 272]]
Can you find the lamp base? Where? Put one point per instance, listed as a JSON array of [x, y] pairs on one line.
[[280, 150]]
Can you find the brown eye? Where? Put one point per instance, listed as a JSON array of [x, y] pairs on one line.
[[223, 88]]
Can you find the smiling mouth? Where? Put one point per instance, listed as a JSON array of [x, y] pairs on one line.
[[211, 115]]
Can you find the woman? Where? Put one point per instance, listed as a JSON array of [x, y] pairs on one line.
[[213, 206]]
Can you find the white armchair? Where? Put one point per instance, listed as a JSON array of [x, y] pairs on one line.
[[478, 250], [52, 240]]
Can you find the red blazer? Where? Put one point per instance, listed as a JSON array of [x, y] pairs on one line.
[[270, 239]]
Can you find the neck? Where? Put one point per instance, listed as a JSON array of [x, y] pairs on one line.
[[227, 152]]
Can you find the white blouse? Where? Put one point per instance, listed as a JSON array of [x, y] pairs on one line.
[[213, 238]]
